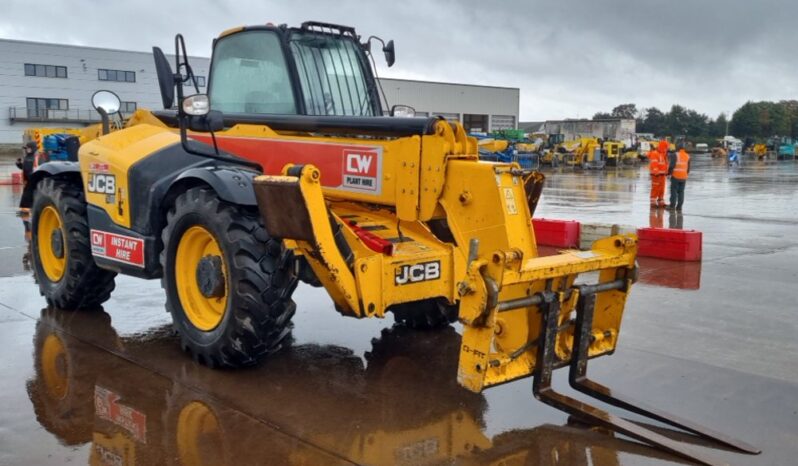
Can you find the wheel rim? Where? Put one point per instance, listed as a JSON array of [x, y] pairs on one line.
[[198, 435], [50, 234], [54, 367], [197, 245]]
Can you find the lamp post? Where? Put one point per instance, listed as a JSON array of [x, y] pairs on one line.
[[728, 119]]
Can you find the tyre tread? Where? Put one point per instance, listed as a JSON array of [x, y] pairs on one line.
[[259, 326], [86, 285]]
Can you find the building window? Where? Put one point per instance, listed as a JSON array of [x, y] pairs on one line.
[[475, 123], [448, 116], [128, 107], [200, 82], [38, 107], [45, 71], [116, 75], [498, 122]]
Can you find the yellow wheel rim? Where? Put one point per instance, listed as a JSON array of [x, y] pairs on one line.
[[202, 311], [54, 367], [50, 224], [198, 435]]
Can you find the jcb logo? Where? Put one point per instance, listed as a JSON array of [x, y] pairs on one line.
[[103, 184], [414, 273]]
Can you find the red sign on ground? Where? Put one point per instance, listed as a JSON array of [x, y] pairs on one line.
[[107, 407]]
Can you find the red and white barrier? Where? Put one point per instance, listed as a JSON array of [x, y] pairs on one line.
[[662, 243], [13, 178]]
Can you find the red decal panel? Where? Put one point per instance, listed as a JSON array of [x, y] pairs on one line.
[[125, 249], [347, 167]]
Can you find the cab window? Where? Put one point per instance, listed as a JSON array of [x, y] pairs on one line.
[[331, 75], [250, 75]]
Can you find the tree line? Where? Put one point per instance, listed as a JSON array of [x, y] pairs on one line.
[[754, 119]]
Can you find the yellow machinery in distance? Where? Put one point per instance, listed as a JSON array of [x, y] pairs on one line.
[[584, 152], [617, 154], [388, 214]]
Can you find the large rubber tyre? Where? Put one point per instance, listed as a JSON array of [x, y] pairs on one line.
[[258, 282], [79, 283], [430, 314]]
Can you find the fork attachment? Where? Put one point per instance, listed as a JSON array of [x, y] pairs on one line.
[[547, 362]]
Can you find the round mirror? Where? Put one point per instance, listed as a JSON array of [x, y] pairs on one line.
[[106, 100]]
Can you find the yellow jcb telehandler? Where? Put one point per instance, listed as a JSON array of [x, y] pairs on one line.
[[286, 170]]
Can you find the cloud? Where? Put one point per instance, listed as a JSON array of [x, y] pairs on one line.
[[568, 58]]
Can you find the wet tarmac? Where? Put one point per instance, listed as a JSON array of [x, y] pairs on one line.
[[712, 341]]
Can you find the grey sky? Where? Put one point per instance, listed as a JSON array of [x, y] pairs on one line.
[[569, 58]]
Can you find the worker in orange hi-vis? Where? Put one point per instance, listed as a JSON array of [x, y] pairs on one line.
[[664, 163], [678, 171], [657, 168]]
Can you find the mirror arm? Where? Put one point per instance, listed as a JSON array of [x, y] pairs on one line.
[[216, 155], [183, 117], [215, 146], [104, 119]]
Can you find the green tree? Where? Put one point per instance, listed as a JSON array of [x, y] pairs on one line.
[[628, 111], [744, 121], [717, 128], [677, 120], [601, 116], [696, 124], [654, 122], [791, 107], [780, 121]]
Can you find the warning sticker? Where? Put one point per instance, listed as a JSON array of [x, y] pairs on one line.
[[97, 167], [509, 201], [118, 248], [360, 169]]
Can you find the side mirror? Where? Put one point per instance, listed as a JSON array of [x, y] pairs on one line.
[[166, 79], [106, 101], [390, 53], [196, 105], [404, 111]]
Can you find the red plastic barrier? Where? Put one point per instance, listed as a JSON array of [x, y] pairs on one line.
[[558, 233], [14, 179], [664, 243]]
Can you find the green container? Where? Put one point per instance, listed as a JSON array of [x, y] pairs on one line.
[[509, 134]]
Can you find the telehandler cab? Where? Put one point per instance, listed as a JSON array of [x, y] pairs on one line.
[[287, 170]]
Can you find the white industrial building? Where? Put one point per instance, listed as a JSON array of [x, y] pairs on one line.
[[479, 108], [44, 84], [619, 129]]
